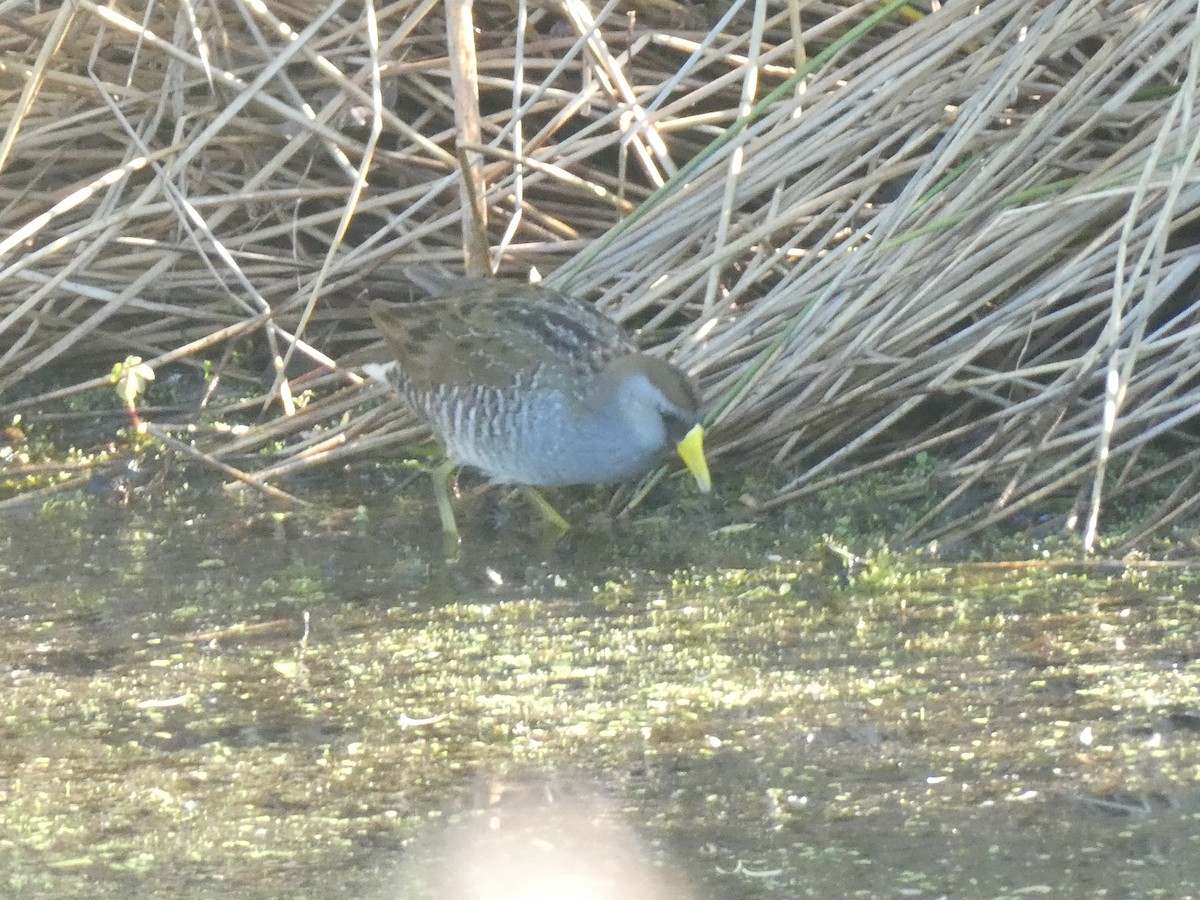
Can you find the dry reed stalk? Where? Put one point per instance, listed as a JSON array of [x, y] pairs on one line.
[[871, 232]]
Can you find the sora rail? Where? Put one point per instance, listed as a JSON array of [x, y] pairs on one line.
[[533, 388]]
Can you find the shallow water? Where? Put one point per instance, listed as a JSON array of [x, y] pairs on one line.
[[220, 701]]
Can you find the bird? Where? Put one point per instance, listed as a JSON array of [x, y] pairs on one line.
[[533, 388]]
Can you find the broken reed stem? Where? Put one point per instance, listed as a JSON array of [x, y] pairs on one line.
[[160, 435]]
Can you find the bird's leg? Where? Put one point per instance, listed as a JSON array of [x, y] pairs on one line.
[[441, 493], [555, 523]]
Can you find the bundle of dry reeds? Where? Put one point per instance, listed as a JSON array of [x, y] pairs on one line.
[[873, 230]]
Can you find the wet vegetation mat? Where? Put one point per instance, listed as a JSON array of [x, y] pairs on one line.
[[226, 702]]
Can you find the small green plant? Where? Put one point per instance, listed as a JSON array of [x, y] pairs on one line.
[[130, 378]]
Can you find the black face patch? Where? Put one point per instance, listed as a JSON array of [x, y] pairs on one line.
[[677, 428]]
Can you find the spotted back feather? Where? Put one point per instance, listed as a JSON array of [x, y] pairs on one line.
[[496, 334]]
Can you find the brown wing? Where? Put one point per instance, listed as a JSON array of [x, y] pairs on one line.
[[491, 332]]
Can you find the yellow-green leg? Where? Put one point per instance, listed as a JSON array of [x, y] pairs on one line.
[[554, 522], [441, 493]]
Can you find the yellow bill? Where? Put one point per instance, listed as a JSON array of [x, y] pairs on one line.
[[691, 451]]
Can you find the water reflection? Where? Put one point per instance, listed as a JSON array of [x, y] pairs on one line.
[[169, 719], [536, 838]]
